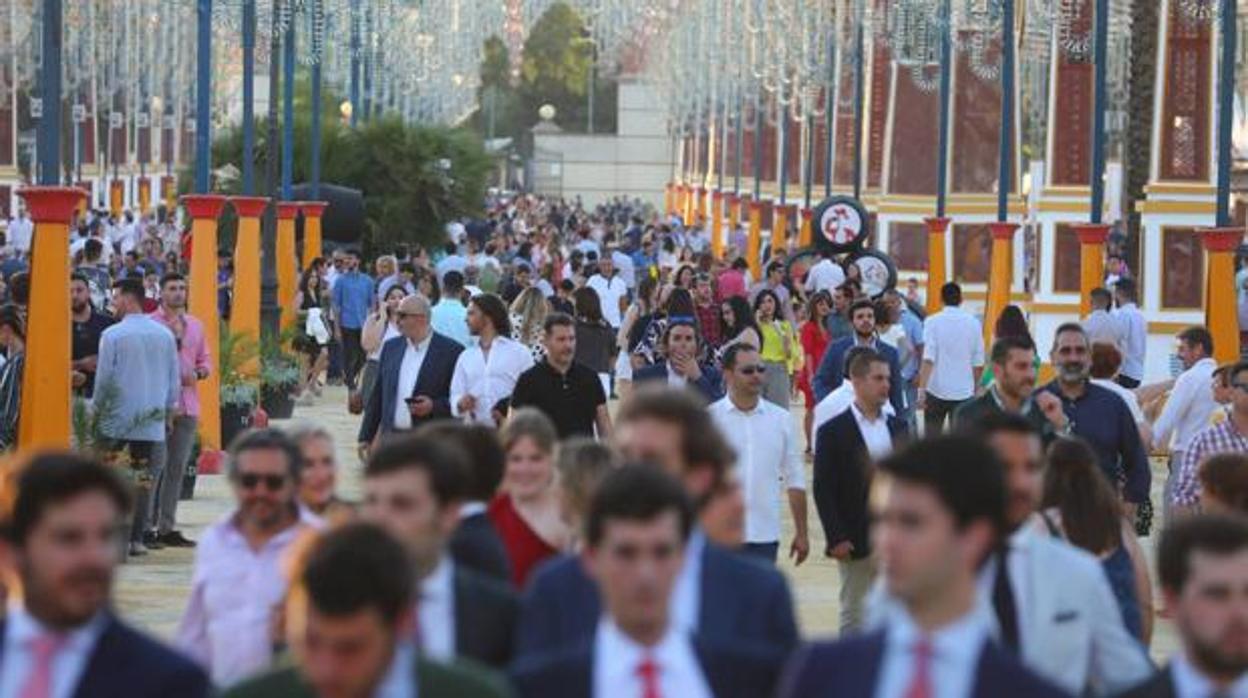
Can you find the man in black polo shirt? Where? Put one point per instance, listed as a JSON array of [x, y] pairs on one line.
[[89, 324], [569, 393]]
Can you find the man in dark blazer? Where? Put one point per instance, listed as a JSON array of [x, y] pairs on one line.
[[356, 590], [680, 346], [1202, 563], [832, 368], [61, 528], [842, 478], [413, 375], [736, 597], [413, 485], [637, 527], [942, 512]]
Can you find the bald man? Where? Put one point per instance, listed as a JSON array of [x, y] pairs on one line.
[[413, 375]]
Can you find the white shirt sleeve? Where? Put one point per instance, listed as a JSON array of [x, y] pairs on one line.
[[459, 383], [794, 473]]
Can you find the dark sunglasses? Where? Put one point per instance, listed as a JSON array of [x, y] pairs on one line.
[[272, 483], [751, 370]]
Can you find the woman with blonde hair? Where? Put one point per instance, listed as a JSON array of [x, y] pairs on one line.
[[527, 512], [528, 312]]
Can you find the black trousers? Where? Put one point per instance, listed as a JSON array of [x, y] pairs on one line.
[[935, 412], [352, 357]]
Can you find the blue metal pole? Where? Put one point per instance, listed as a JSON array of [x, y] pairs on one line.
[[723, 150], [355, 61], [829, 106], [203, 97], [249, 90], [810, 155], [740, 134], [1226, 116], [315, 155], [1100, 67], [1005, 176], [49, 132], [783, 174], [288, 110], [942, 156], [368, 62], [759, 122], [859, 96]]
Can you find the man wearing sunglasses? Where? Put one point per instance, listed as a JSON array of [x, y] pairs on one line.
[[1227, 436], [240, 578]]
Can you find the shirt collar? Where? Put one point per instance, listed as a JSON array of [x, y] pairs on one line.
[[960, 640], [862, 417], [437, 584], [423, 344], [23, 627], [996, 397], [624, 654]]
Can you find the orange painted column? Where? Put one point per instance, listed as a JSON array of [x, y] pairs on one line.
[[687, 213], [145, 195], [116, 197], [313, 246], [1221, 317], [936, 272], [699, 209], [668, 199], [999, 275], [779, 229], [717, 224], [806, 236], [734, 212], [245, 311], [204, 210], [1092, 237], [169, 190], [287, 263], [45, 416], [754, 242]]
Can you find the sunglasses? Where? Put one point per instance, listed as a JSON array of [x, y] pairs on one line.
[[272, 483], [752, 370]]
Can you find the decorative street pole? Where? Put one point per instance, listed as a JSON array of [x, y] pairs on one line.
[[288, 109], [355, 62], [1222, 241], [1092, 236], [203, 97], [860, 60], [1002, 259], [249, 81], [938, 224], [270, 312], [314, 154], [49, 131]]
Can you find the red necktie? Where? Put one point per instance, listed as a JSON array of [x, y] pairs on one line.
[[43, 650], [921, 679], [648, 670]]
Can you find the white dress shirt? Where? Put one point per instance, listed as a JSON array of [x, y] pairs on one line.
[[68, 663], [955, 652], [609, 291], [409, 372], [1188, 408], [1189, 683], [1102, 328], [686, 605], [826, 275], [874, 432], [436, 607], [1133, 333], [19, 234], [954, 342], [617, 658], [836, 402], [767, 453], [489, 376]]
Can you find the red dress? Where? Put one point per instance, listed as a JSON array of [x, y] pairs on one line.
[[525, 549], [814, 343]]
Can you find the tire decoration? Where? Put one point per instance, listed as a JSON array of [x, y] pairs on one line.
[[877, 271], [841, 224]]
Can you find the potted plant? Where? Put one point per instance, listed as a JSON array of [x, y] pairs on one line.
[[238, 394], [279, 376]]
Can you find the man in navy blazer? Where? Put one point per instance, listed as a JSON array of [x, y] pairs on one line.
[[736, 599], [62, 527], [680, 346], [940, 510], [832, 368], [413, 375]]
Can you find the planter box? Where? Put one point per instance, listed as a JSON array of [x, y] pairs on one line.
[[235, 419], [277, 401]]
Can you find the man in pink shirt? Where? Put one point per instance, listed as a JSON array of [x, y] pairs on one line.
[[732, 281], [194, 365]]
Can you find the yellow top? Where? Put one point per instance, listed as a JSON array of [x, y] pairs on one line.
[[775, 346]]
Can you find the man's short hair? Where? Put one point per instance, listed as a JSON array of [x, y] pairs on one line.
[[680, 322], [1216, 534], [729, 358], [998, 422], [1126, 287], [859, 364], [356, 567], [1069, 327], [267, 439], [702, 444], [1198, 336], [49, 479], [171, 276], [860, 304], [1002, 347], [452, 282], [1106, 360], [636, 493], [131, 287], [951, 294], [557, 320], [80, 277], [445, 465], [483, 455], [1100, 295], [93, 248], [495, 310], [962, 471]]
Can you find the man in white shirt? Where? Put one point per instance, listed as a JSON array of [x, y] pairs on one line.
[[1132, 333], [487, 371], [413, 486], [612, 292], [1202, 562], [768, 453], [1100, 324], [1190, 404], [953, 358], [826, 275], [636, 533], [20, 232]]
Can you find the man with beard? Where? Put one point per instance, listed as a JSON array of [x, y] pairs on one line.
[[1203, 565], [1098, 416], [486, 372], [241, 562], [1012, 390], [89, 325], [568, 392], [59, 637]]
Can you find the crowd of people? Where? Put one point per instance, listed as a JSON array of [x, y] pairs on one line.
[[579, 452]]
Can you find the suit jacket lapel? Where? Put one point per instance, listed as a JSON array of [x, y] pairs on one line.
[[103, 665], [712, 607], [465, 630]]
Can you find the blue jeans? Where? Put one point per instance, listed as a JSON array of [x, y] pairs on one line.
[[762, 551]]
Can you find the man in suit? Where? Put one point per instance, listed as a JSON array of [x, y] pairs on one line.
[[719, 594], [832, 368], [346, 624], [59, 636], [845, 449], [413, 486], [638, 524], [475, 544], [940, 509], [413, 376], [1052, 601], [1202, 562], [1013, 390], [680, 346]]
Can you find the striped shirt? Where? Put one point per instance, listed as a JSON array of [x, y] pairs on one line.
[[1222, 437]]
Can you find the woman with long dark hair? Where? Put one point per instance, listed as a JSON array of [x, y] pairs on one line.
[[1010, 323], [780, 352], [677, 304], [737, 324], [814, 339], [313, 343], [595, 340], [1081, 506]]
